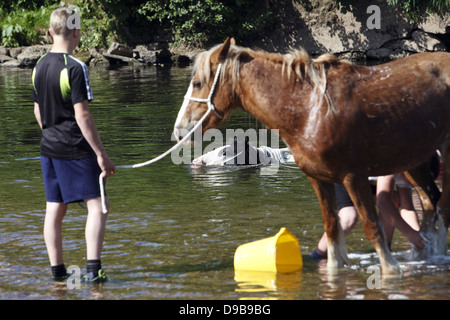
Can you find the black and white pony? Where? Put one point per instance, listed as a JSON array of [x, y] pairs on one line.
[[240, 152]]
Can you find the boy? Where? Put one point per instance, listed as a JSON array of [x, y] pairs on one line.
[[72, 154]]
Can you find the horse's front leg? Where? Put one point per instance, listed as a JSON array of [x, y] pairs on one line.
[[337, 250], [358, 187]]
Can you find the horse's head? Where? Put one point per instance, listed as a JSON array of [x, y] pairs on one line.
[[209, 97], [237, 152]]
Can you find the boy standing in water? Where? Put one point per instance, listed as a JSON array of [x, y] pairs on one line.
[[72, 154]]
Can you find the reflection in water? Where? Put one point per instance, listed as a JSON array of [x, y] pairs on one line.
[[222, 176], [268, 284]]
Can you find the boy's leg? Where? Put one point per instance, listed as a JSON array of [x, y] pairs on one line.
[[95, 228], [95, 233], [53, 231]]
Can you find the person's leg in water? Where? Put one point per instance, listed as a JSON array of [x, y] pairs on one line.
[[55, 212], [95, 234]]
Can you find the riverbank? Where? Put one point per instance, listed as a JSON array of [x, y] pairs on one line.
[[116, 54], [161, 54]]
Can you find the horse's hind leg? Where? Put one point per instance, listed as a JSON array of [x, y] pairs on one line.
[[360, 192], [429, 194], [443, 210], [337, 250]]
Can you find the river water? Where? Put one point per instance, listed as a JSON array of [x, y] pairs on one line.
[[172, 231]]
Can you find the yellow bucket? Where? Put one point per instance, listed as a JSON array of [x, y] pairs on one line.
[[280, 253]]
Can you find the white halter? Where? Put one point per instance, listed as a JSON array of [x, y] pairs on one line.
[[208, 101]]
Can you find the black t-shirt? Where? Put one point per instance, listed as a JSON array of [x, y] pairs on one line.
[[59, 82]]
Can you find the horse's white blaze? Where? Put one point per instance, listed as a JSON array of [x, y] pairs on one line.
[[178, 122]]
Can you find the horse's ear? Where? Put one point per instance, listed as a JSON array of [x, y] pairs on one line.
[[221, 53]]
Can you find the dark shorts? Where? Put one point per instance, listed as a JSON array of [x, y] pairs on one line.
[[343, 198], [70, 180]]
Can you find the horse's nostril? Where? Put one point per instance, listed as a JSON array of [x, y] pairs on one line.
[[180, 137]]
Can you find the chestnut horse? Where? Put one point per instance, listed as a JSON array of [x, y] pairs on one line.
[[341, 121]]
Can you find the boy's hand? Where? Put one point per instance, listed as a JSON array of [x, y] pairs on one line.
[[106, 165]]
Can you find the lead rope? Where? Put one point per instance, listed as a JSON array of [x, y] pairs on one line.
[[102, 181]]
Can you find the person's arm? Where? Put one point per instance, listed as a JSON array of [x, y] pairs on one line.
[[37, 114], [87, 126]]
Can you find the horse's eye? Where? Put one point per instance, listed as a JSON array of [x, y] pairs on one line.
[[197, 84]]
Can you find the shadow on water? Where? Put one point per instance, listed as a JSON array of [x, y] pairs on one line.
[[173, 230]]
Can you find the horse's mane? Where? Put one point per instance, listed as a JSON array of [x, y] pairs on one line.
[[297, 62]]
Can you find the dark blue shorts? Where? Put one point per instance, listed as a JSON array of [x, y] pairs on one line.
[[70, 180]]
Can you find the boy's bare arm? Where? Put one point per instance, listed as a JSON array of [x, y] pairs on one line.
[[37, 114], [87, 125]]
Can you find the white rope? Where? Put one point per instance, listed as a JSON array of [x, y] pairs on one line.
[[102, 181]]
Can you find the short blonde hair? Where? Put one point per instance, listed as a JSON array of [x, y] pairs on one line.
[[59, 21]]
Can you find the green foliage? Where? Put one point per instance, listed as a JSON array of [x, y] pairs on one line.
[[187, 19], [96, 25], [414, 9], [9, 6], [25, 26], [12, 35], [104, 21], [199, 22]]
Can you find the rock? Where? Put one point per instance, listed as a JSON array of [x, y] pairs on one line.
[[84, 56], [14, 52], [4, 51], [5, 58], [114, 58], [163, 56], [11, 64], [183, 61], [379, 54], [120, 50], [145, 55], [399, 54], [320, 26], [428, 41], [99, 61], [150, 54], [393, 45], [353, 56], [436, 23], [410, 45], [95, 53], [31, 55]]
